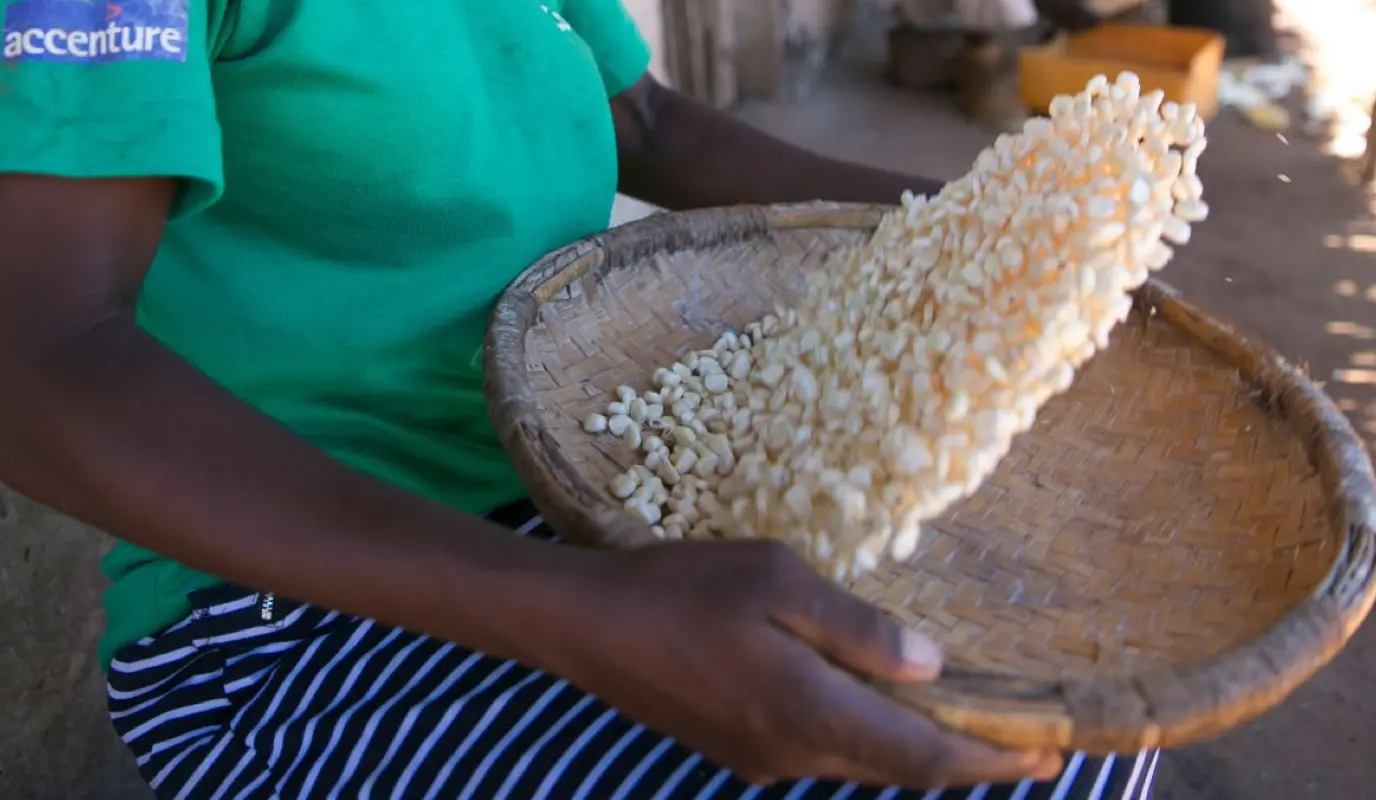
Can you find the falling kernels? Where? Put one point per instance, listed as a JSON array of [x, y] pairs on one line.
[[895, 386]]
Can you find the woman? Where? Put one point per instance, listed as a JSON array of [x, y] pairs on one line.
[[250, 250]]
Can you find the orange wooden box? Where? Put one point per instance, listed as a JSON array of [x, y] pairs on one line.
[[1182, 62]]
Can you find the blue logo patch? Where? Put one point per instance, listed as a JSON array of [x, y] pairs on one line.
[[75, 31]]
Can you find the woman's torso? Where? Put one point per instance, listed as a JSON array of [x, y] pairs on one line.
[[388, 168]]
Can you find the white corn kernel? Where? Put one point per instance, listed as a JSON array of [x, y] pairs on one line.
[[649, 512], [618, 424], [685, 460], [624, 485]]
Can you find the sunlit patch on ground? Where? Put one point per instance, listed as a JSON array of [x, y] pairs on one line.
[[1337, 38]]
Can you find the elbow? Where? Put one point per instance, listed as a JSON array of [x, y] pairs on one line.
[[26, 403], [50, 372], [638, 115], [25, 418]]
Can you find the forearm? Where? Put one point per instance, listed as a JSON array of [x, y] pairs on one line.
[[116, 430], [679, 154]]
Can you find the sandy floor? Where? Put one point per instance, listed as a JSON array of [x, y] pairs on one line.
[[1289, 252]]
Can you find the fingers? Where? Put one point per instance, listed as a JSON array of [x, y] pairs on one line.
[[900, 746], [867, 737], [857, 635], [968, 762], [914, 751], [998, 768]]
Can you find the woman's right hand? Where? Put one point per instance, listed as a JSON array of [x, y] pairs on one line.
[[726, 647]]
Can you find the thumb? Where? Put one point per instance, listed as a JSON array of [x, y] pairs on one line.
[[857, 635]]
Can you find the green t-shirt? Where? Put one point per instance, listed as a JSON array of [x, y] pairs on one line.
[[360, 181]]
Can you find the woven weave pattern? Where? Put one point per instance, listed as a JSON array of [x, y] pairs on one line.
[[1182, 539], [617, 328], [1154, 513]]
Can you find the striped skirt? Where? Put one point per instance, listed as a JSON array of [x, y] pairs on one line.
[[253, 696]]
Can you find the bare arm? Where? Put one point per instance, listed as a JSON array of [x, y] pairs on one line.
[[101, 421], [678, 153]]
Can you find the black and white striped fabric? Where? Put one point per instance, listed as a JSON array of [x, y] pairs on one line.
[[253, 696]]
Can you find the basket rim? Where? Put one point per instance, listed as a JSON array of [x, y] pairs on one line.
[[1100, 714]]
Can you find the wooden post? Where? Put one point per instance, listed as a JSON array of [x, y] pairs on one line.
[[701, 46], [722, 53], [1369, 157], [759, 47]]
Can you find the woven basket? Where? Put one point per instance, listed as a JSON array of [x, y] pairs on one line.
[[1183, 538]]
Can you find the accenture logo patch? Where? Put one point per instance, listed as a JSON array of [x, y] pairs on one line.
[[77, 31]]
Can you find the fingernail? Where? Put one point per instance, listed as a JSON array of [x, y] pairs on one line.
[[920, 654]]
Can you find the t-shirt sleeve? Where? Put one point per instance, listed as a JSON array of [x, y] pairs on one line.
[[622, 54], [111, 89]]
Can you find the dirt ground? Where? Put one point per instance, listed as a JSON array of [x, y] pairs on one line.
[[1289, 252]]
